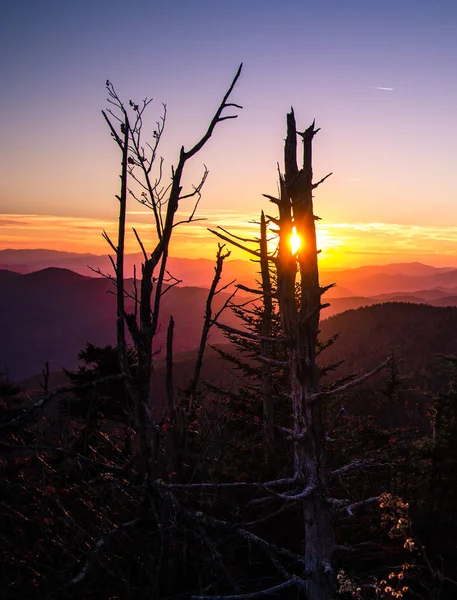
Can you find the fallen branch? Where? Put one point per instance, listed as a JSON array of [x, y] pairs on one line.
[[294, 581]]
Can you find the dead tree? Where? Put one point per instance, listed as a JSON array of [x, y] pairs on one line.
[[141, 167], [210, 318], [300, 320], [297, 268]]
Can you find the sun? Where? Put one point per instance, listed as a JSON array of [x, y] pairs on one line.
[[295, 241]]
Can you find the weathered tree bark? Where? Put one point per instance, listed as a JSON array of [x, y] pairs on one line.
[[300, 319]]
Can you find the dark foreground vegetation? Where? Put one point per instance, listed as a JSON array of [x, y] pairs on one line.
[[303, 477], [69, 481]]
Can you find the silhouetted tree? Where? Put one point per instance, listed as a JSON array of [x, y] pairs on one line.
[[139, 166], [299, 315]]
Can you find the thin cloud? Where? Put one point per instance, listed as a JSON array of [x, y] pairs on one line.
[[11, 223], [336, 240], [384, 89]]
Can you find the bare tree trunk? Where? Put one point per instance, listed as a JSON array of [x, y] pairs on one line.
[[208, 320], [133, 393], [266, 329], [123, 143], [120, 322], [300, 328]]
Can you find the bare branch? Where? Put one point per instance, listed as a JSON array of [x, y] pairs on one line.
[[216, 119], [251, 240], [224, 287], [113, 131], [274, 220], [208, 321], [356, 505], [274, 200], [300, 496], [197, 189], [353, 383], [113, 264], [352, 466], [325, 288], [248, 289], [107, 238], [224, 306], [246, 334], [245, 248], [98, 271], [273, 362], [315, 185], [230, 485], [145, 256]]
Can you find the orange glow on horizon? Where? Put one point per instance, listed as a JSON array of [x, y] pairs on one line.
[[343, 245]]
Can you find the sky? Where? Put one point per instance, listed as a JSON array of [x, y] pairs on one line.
[[378, 76]]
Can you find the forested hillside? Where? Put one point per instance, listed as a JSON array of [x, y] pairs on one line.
[[417, 334]]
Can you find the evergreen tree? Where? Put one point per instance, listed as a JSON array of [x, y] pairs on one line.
[[105, 401]]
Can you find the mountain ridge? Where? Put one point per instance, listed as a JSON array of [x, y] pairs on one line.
[[367, 280]]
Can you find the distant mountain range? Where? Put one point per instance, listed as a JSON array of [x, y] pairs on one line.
[[192, 272], [362, 281], [50, 314], [371, 281]]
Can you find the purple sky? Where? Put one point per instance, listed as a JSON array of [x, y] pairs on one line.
[[393, 151]]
